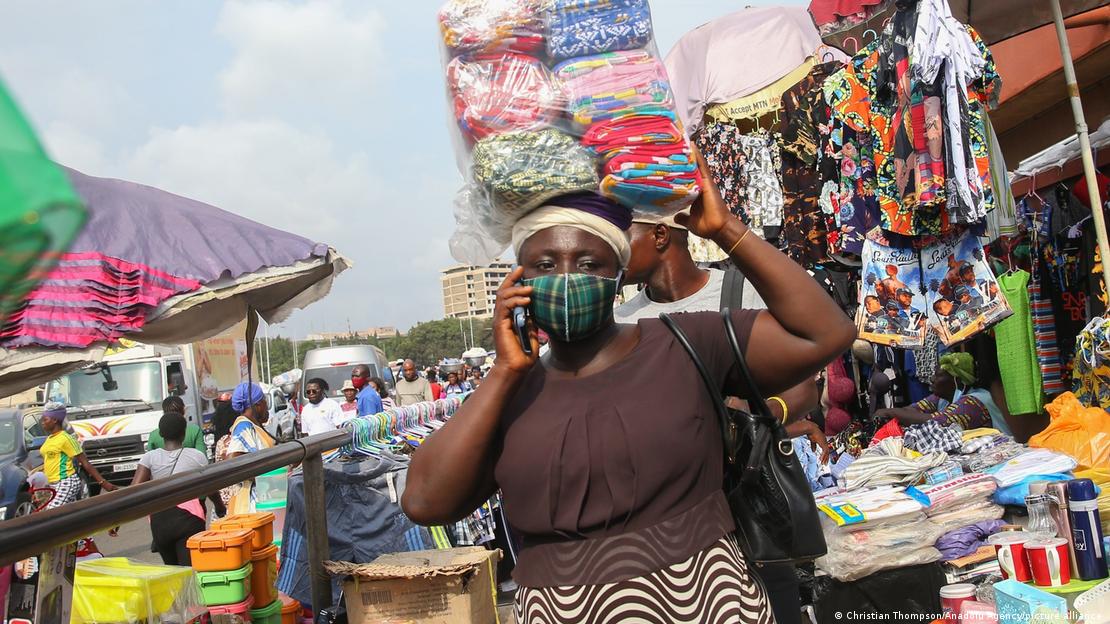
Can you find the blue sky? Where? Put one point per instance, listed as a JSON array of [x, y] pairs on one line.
[[327, 118]]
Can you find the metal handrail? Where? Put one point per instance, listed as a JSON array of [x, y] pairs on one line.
[[35, 534]]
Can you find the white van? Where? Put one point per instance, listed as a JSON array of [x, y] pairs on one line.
[[334, 365]]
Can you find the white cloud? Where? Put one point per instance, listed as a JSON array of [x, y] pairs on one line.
[[266, 170], [322, 53], [73, 147]]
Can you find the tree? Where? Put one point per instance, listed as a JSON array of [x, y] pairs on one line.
[[426, 343]]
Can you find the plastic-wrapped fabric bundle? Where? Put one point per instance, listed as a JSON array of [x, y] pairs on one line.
[[521, 170], [492, 26], [967, 514], [613, 84], [585, 27], [597, 82], [647, 162], [505, 92]]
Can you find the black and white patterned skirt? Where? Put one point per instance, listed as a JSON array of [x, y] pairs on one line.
[[714, 586]]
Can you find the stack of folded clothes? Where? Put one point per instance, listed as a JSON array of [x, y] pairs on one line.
[[585, 27], [612, 85], [521, 170], [502, 92], [484, 26], [962, 501], [646, 161]]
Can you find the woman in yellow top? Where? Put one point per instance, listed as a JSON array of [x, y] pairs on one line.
[[61, 454]]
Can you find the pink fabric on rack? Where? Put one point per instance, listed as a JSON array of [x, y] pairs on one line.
[[829, 11]]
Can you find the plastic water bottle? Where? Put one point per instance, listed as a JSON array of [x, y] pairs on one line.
[[1086, 529]]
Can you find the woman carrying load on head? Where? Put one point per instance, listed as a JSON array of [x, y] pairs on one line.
[[612, 479]]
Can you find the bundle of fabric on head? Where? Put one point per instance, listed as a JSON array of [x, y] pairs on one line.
[[521, 170], [612, 85], [647, 162], [502, 92], [585, 27], [471, 26], [586, 211]]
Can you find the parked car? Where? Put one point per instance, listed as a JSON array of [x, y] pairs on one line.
[[283, 420], [19, 456], [334, 365]]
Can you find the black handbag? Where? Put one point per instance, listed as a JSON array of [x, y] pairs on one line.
[[767, 491]]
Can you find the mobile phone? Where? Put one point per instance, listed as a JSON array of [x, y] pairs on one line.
[[520, 324]]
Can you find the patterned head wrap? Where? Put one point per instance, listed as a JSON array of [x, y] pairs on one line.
[[960, 365], [245, 396]]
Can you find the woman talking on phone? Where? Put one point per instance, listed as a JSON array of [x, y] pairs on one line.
[[612, 479]]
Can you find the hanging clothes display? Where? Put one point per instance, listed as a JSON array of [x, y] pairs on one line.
[[805, 226], [1017, 362], [1044, 331], [1091, 376]]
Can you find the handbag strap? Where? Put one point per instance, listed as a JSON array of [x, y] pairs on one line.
[[703, 372], [766, 428]]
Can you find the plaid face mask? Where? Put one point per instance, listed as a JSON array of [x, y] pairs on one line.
[[572, 306]]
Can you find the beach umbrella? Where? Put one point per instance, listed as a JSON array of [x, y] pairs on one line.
[[154, 267], [738, 55]]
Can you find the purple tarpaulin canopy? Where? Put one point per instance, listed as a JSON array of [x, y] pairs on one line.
[[178, 235]]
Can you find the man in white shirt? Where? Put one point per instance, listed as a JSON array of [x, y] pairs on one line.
[[320, 414]]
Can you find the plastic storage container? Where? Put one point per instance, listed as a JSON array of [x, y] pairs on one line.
[[261, 523], [272, 486], [264, 575], [221, 550], [239, 613], [224, 588], [1017, 602], [117, 589], [291, 610], [1094, 604], [277, 508], [270, 614]]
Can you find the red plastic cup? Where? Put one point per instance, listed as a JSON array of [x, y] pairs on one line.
[[1049, 562], [1009, 546]]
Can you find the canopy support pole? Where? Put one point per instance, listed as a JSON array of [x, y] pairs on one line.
[[1084, 141]]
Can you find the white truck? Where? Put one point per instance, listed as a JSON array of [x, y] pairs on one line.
[[115, 404]]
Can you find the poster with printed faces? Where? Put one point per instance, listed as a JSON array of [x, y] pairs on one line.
[[963, 295], [892, 309]]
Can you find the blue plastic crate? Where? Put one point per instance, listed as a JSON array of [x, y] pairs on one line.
[[1023, 604]]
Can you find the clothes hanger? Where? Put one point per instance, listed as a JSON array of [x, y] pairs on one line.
[[874, 35], [855, 46]]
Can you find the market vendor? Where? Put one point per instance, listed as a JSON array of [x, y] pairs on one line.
[[955, 399], [612, 479]]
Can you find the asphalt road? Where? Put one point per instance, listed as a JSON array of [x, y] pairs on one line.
[[133, 542]]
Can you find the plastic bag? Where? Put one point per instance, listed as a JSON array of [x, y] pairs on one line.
[[1015, 494], [966, 515], [117, 589], [550, 97], [1082, 432], [851, 566]]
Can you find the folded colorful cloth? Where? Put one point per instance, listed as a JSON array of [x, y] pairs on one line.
[[492, 26], [585, 27], [966, 514], [1031, 462], [521, 170], [613, 84], [647, 162], [495, 93], [959, 491], [889, 462], [932, 436]]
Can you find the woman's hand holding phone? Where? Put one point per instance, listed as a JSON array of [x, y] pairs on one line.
[[510, 352]]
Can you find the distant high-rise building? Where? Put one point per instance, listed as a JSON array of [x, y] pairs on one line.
[[470, 291]]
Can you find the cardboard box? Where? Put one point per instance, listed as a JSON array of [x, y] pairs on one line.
[[453, 586]]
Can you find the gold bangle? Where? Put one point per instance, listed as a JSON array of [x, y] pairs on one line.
[[738, 241], [785, 410]]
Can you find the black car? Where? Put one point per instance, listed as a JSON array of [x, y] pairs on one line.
[[18, 456]]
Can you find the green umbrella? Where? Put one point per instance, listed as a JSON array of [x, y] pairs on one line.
[[40, 214]]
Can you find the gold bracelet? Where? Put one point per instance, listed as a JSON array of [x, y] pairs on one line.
[[740, 240], [785, 410]]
